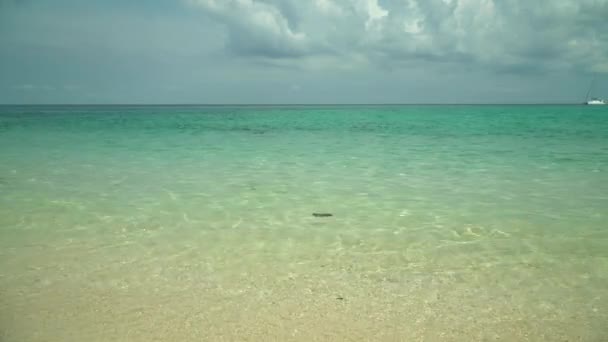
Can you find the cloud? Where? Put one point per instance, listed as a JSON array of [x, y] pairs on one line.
[[328, 7], [501, 35], [375, 13], [256, 28]]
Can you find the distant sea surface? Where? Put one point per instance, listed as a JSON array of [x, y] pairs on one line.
[[186, 223]]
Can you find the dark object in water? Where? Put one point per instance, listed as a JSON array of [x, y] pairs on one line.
[[322, 214]]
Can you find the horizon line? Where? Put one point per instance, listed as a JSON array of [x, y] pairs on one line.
[[286, 104]]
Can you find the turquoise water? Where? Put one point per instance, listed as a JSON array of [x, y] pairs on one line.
[[449, 223]]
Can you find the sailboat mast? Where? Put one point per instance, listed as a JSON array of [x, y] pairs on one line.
[[589, 90]]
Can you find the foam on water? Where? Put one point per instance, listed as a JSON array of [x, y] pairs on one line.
[[182, 223]]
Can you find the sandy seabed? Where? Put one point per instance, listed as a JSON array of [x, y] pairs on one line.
[[85, 291]]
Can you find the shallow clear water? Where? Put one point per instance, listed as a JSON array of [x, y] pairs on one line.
[[182, 223]]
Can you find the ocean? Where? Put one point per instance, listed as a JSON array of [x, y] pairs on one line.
[[195, 223]]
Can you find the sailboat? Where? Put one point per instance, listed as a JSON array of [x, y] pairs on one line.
[[594, 100]]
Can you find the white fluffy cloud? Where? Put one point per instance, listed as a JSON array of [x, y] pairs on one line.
[[256, 28], [506, 35]]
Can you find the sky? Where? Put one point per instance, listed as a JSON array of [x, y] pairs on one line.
[[302, 51]]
